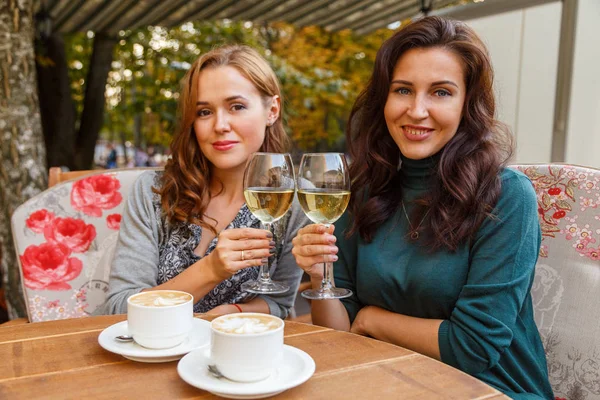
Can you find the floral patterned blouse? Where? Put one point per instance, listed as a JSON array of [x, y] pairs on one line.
[[151, 251]]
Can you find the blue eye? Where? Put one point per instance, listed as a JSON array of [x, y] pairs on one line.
[[442, 93], [403, 91]]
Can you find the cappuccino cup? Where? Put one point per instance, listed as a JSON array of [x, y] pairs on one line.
[[160, 319], [246, 347]]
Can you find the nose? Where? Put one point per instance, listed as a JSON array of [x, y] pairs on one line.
[[418, 108], [222, 122]]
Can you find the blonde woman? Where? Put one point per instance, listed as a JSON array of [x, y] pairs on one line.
[[188, 228]]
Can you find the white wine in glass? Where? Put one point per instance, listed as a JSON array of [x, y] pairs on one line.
[[269, 187], [324, 192], [268, 205]]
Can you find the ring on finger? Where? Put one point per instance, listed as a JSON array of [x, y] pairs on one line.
[[242, 255]]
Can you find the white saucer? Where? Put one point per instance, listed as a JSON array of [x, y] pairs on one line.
[[295, 369], [199, 337]]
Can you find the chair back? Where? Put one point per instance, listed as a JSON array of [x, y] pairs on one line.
[[566, 290], [57, 175], [65, 239]]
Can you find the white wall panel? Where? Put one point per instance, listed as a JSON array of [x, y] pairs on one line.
[[583, 134], [502, 35], [523, 45], [537, 92]]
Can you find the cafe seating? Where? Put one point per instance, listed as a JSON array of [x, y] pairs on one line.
[[65, 238], [566, 288]]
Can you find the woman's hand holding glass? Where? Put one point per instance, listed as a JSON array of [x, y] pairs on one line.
[[313, 245], [238, 249], [323, 192], [269, 187]]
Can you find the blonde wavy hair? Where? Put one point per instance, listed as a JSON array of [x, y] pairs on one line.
[[184, 191]]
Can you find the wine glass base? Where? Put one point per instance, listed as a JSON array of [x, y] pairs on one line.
[[265, 287], [326, 294]]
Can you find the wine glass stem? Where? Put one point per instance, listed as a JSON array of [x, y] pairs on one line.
[[264, 275], [327, 282]]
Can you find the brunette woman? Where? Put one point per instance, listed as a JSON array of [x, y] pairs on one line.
[[441, 240]]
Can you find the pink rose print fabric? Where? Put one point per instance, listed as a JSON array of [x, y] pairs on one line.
[[38, 220], [96, 193], [73, 233], [113, 221], [48, 266], [51, 265], [65, 237]]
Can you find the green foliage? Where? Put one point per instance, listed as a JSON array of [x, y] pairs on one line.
[[321, 74]]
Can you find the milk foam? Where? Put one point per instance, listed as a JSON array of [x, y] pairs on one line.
[[163, 302], [245, 325], [160, 299]]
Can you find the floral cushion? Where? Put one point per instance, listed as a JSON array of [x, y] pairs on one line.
[[566, 290], [65, 239]]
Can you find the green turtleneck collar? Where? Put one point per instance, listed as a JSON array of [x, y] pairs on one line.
[[416, 174]]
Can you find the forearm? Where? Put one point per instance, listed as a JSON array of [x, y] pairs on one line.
[[198, 279], [256, 305], [417, 334], [329, 313]]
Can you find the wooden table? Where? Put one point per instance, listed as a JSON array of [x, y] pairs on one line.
[[62, 359]]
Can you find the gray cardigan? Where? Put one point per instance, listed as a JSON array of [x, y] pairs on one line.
[[151, 251]]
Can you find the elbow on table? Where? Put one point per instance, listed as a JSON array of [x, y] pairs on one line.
[[473, 353]]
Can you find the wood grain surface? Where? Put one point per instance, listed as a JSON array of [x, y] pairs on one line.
[[62, 359]]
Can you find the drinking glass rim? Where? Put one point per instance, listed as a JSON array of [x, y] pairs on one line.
[[268, 153], [326, 153]]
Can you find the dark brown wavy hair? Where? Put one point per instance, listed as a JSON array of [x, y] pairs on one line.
[[184, 191], [466, 184]]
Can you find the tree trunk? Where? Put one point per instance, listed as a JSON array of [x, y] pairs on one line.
[[23, 171], [92, 116], [56, 103]]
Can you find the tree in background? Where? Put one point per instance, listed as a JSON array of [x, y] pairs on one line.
[[22, 154], [321, 74]]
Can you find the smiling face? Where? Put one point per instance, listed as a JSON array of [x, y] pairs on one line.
[[425, 102], [231, 117]]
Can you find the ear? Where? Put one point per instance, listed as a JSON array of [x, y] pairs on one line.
[[273, 110]]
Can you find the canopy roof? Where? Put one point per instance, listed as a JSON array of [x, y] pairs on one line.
[[112, 16]]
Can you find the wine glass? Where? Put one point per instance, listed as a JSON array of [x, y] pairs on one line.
[[324, 192], [269, 186]]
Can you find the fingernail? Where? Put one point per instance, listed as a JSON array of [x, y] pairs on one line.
[[272, 252], [333, 249], [334, 258], [272, 243], [269, 235], [264, 260], [332, 239]]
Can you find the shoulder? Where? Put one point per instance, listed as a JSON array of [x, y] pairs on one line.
[[141, 191], [145, 182], [149, 179], [515, 185], [517, 200]]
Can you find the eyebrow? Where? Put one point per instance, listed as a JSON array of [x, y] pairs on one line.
[[401, 82], [230, 98]]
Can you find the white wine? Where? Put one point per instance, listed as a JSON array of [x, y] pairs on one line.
[[323, 206], [268, 204]]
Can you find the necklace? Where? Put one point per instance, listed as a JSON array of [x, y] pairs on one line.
[[414, 233]]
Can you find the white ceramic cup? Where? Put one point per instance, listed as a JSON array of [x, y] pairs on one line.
[[162, 323], [250, 356]]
